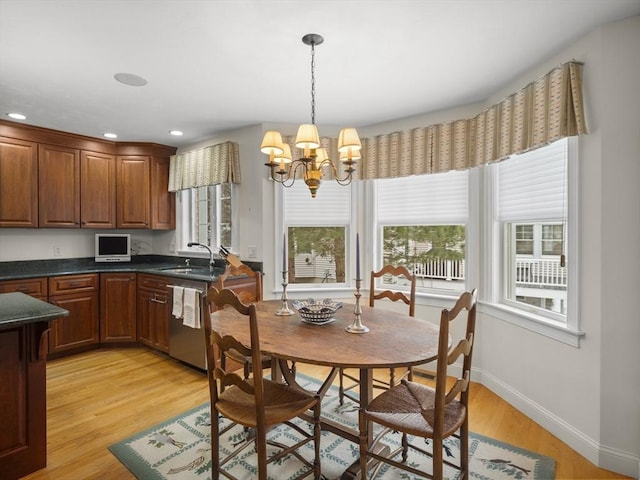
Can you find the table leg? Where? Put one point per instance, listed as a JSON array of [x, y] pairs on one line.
[[366, 395]]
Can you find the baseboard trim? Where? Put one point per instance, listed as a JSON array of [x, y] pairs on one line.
[[604, 457]]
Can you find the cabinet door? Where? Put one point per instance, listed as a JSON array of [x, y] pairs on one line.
[[132, 191], [98, 190], [117, 307], [59, 187], [163, 202], [153, 319], [18, 183], [23, 436], [80, 328], [144, 328], [161, 312]]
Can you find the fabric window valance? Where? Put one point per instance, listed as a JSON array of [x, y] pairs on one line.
[[205, 166], [544, 111]]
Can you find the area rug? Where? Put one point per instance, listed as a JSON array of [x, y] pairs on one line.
[[179, 449]]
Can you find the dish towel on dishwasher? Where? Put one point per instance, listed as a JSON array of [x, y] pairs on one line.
[[178, 293], [191, 308]]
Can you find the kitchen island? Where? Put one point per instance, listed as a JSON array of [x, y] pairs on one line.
[[24, 323]]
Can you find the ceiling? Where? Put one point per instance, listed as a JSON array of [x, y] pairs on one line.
[[216, 65]]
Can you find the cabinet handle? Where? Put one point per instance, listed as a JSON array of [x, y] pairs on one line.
[[157, 300], [22, 289], [75, 284]]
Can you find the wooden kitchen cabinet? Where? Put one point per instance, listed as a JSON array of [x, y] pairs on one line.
[[18, 183], [118, 307], [163, 202], [36, 287], [79, 295], [154, 311], [97, 190], [133, 185], [58, 187], [61, 180]]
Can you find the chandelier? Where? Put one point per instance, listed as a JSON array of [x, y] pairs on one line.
[[283, 169]]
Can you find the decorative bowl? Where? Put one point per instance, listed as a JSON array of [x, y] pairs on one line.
[[316, 311]]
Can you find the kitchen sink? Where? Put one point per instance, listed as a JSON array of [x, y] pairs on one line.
[[194, 270]]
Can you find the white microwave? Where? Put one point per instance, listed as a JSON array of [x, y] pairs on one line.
[[113, 247]]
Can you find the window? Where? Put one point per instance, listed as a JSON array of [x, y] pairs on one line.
[[317, 254], [317, 233], [532, 205], [421, 223], [206, 215], [552, 239], [524, 239]]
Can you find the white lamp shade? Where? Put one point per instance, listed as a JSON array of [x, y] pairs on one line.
[[272, 143], [285, 156], [355, 155], [349, 139], [307, 136], [321, 156]]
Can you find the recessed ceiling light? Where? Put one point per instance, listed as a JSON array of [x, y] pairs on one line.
[[110, 135], [130, 79], [177, 133], [17, 116]]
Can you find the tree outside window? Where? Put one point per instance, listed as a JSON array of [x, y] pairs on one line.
[[316, 254], [434, 252]]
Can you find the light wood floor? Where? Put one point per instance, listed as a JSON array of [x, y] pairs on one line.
[[98, 398]]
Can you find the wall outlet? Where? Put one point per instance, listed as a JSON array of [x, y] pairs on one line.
[[252, 251], [57, 251]]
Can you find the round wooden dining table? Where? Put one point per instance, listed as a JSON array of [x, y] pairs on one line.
[[393, 340]]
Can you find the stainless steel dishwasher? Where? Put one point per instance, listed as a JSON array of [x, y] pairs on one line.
[[185, 343]]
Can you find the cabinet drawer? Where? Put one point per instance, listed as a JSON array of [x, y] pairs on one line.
[[36, 287], [73, 283], [154, 282]]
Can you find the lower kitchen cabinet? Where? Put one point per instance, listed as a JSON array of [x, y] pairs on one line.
[[118, 307], [154, 311], [79, 295]]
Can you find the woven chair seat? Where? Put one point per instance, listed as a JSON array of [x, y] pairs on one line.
[[281, 403], [410, 407]]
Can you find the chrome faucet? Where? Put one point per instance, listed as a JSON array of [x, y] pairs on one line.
[[211, 263]]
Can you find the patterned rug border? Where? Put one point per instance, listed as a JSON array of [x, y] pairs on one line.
[[545, 467]]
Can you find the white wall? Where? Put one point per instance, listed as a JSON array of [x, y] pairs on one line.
[[38, 243]]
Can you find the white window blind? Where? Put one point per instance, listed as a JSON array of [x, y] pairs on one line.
[[332, 206], [532, 186], [421, 199]]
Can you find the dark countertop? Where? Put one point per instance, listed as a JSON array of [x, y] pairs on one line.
[[19, 309], [154, 264]]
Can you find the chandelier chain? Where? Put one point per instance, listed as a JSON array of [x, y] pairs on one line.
[[313, 83]]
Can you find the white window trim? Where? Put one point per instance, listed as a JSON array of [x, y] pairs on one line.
[[492, 241], [306, 290], [183, 224]]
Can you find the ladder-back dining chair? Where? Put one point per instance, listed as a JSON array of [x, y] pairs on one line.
[[247, 285], [255, 403], [425, 412], [399, 273]]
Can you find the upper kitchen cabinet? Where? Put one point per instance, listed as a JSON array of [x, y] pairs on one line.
[[142, 187], [18, 183], [133, 191], [98, 190], [163, 202], [58, 186], [61, 180]]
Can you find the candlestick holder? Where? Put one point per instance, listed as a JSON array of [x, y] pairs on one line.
[[284, 307], [357, 326]]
